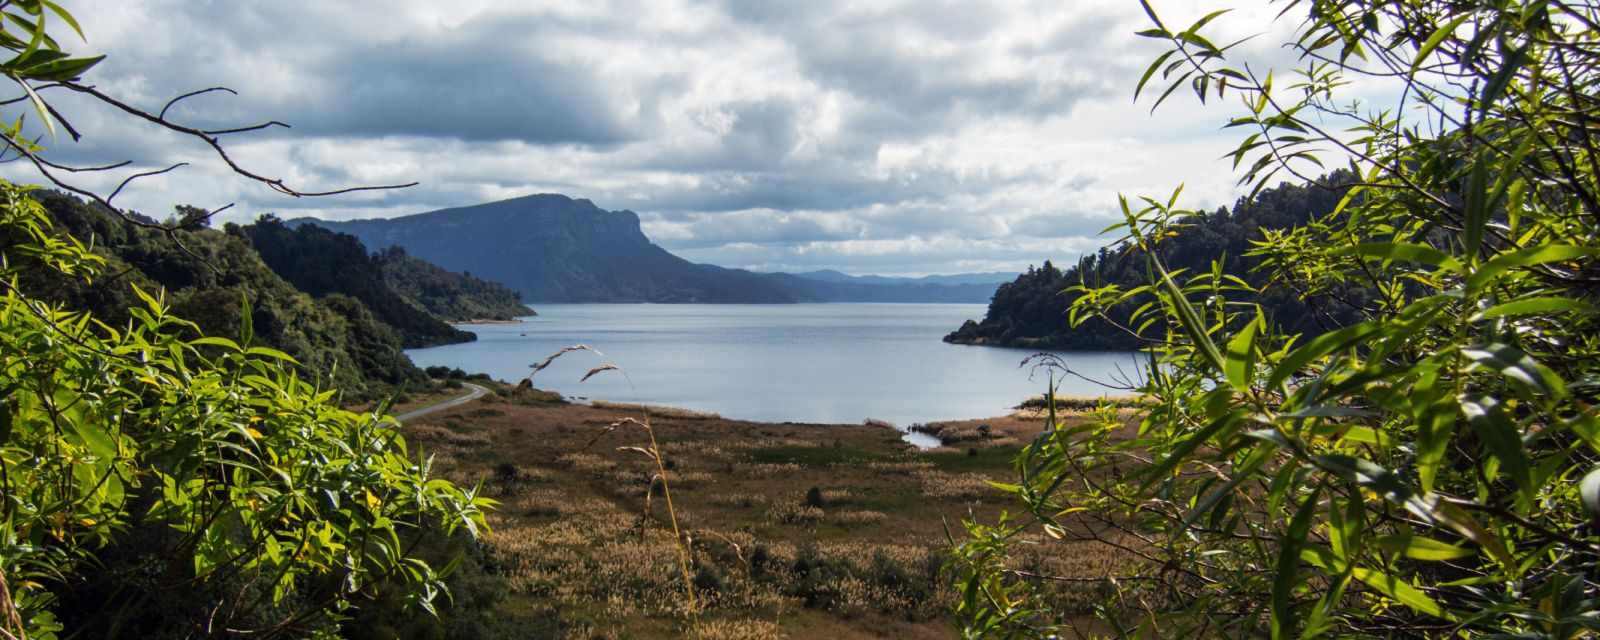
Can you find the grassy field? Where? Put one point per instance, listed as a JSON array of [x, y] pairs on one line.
[[796, 530]]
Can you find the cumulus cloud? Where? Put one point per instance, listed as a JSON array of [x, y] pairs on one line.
[[896, 137]]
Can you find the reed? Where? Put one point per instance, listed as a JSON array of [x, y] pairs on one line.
[[653, 453]]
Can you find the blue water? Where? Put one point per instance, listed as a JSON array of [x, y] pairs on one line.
[[841, 362]]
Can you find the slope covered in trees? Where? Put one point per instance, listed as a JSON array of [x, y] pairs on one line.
[[447, 295], [1031, 312], [323, 263], [207, 282]]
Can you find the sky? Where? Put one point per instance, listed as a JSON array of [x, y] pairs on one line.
[[895, 137]]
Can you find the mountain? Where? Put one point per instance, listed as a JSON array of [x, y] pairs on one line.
[[322, 262], [551, 248], [447, 295], [1031, 312], [207, 280]]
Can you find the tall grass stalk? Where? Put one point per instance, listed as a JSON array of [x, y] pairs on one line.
[[653, 452]]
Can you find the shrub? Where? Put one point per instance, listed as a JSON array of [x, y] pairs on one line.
[[814, 497], [124, 449], [1425, 466]]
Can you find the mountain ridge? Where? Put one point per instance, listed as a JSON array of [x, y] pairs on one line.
[[552, 248]]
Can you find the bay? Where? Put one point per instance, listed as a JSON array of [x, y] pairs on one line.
[[825, 363]]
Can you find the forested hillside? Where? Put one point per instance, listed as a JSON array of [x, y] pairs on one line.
[[1031, 312], [444, 294], [207, 281], [323, 263]]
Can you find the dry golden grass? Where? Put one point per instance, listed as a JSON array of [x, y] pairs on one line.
[[737, 630], [791, 512], [582, 527], [857, 518], [960, 486], [654, 411]]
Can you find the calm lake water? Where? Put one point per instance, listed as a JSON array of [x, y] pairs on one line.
[[839, 362]]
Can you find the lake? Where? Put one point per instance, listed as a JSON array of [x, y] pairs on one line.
[[830, 363]]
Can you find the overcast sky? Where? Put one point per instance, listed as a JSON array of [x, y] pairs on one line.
[[898, 137]]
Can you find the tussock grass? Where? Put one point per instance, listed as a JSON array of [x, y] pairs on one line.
[[654, 411], [583, 535], [1083, 402]]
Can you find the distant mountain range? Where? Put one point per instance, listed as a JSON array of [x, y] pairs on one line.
[[552, 248]]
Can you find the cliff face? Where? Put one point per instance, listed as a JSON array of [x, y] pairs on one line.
[[551, 248]]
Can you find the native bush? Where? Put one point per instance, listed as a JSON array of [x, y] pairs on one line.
[[1428, 469], [159, 482], [245, 498]]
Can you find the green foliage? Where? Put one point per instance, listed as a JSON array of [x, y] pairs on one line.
[[1426, 470], [1028, 312], [447, 295], [322, 263], [204, 274], [155, 483], [36, 57]]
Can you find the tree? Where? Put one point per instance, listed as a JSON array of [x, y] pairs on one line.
[[1428, 470], [155, 484]]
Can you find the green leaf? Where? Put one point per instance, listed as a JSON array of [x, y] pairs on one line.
[[1526, 258], [1513, 62], [1589, 492], [1181, 452], [1321, 346], [1519, 367], [1477, 206], [1190, 319], [64, 15], [1283, 614], [61, 69], [1499, 434], [1434, 410], [1535, 306], [1399, 590], [1437, 38], [1380, 480], [215, 341], [1405, 252], [38, 106], [1151, 72], [1241, 361], [99, 442], [1420, 548], [270, 353]]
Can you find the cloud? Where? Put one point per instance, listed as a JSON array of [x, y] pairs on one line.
[[896, 136]]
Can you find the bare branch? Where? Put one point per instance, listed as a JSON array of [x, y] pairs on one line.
[[191, 94]]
